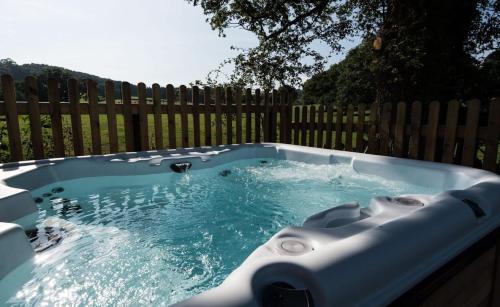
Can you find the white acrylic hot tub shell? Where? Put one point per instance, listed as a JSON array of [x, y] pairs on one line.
[[369, 267]]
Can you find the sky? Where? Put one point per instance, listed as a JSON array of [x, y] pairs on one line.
[[162, 41]]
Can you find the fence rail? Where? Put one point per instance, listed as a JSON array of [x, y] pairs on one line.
[[451, 132]]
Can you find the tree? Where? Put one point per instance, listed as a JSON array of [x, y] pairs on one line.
[[421, 48], [490, 71], [351, 80]]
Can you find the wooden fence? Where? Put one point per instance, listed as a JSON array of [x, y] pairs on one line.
[[451, 132]]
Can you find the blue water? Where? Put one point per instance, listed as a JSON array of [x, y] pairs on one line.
[[159, 239]]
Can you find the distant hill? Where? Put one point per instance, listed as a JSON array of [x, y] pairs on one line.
[[44, 71], [19, 72]]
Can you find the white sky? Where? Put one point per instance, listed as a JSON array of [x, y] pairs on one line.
[[151, 41]]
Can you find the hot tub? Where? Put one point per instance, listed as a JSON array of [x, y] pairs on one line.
[[237, 225]]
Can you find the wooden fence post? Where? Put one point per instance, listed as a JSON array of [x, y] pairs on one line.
[[229, 115], [312, 122], [172, 137], [208, 117], [416, 121], [218, 115], [257, 116], [157, 116], [385, 125], [339, 118], [399, 133], [128, 121], [239, 128], [195, 102], [13, 131], [109, 92], [267, 116], [55, 116], [184, 116], [329, 126], [303, 126], [431, 133], [248, 116], [372, 130], [450, 132], [321, 119], [360, 128], [471, 125], [76, 120], [296, 121], [31, 91], [283, 115], [349, 127], [95, 126], [141, 130]]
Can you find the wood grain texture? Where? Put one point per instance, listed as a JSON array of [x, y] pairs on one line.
[[31, 93], [109, 93], [76, 120], [95, 124], [127, 116], [55, 117], [13, 131], [157, 116]]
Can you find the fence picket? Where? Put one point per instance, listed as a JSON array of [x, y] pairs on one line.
[[321, 120], [416, 121], [248, 116], [31, 92], [143, 117], [312, 121], [348, 127], [13, 131], [267, 116], [274, 116], [239, 129], [385, 123], [399, 133], [471, 124], [339, 118], [283, 115], [157, 116], [289, 107], [372, 130], [218, 115], [296, 130], [207, 116], [329, 126], [360, 128], [109, 92], [303, 127], [195, 100], [55, 117], [95, 124], [450, 131], [127, 117], [431, 134], [184, 117], [229, 115], [76, 120], [257, 116], [172, 136]]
